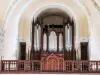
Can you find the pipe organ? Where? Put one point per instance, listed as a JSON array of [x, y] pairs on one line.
[[52, 44]]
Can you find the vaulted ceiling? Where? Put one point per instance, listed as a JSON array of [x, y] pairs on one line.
[[53, 12]]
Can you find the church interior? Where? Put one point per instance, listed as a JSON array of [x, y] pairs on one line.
[[49, 36]]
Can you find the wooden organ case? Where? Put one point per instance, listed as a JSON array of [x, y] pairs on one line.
[[49, 60]]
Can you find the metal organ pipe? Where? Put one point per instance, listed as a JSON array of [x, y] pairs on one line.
[[60, 42], [66, 36], [53, 41], [44, 42], [37, 36], [70, 37]]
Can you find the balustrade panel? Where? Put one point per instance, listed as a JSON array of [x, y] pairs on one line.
[[22, 66]]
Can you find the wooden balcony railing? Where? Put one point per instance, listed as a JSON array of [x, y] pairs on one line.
[[34, 66]]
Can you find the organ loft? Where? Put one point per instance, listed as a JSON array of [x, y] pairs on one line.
[[52, 48]]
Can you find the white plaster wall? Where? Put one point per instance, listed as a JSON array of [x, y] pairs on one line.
[[23, 16], [95, 29], [11, 34], [93, 14], [6, 7]]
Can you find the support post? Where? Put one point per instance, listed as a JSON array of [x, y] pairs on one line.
[[57, 42], [47, 42], [41, 46]]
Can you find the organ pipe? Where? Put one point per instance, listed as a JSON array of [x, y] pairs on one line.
[[60, 42], [44, 42], [53, 41]]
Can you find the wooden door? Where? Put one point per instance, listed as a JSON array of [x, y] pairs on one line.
[[22, 50], [84, 51]]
